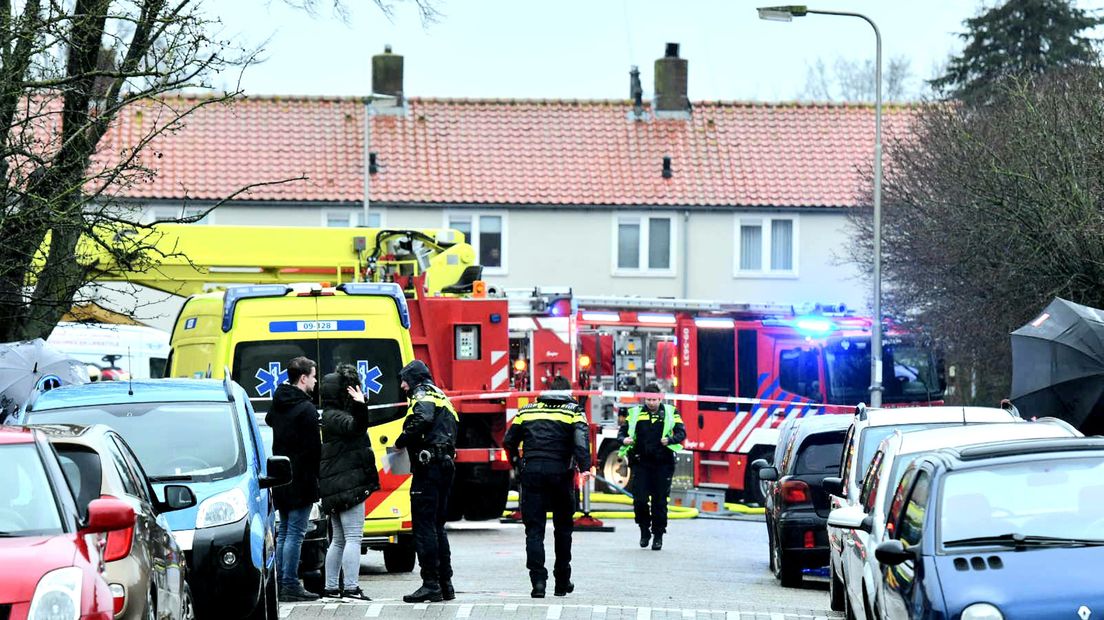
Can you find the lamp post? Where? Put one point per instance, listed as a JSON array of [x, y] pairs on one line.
[[367, 201], [786, 14]]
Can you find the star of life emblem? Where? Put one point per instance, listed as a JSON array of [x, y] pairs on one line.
[[1084, 612]]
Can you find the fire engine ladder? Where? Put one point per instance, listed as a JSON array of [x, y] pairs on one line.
[[672, 304]]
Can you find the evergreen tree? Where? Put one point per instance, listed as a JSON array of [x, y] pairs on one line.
[[1016, 38]]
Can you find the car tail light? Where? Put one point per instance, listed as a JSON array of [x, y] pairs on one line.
[[810, 542], [406, 525], [118, 542], [795, 492], [118, 597]]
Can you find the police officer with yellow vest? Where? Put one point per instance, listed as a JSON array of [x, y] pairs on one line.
[[429, 435], [554, 441], [650, 437]]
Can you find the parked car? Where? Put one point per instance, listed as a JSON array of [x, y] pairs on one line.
[[145, 567], [796, 506], [49, 559], [312, 561], [859, 567], [200, 433], [1009, 529], [869, 428]]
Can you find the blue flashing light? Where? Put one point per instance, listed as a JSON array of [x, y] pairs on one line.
[[814, 326], [381, 289], [496, 318], [560, 307], [234, 294]]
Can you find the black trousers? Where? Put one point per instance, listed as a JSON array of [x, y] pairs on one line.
[[543, 492], [651, 483], [429, 494]]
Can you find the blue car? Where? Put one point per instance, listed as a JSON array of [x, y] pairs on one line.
[[200, 433], [994, 531]]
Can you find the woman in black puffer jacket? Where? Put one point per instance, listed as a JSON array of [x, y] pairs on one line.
[[347, 476]]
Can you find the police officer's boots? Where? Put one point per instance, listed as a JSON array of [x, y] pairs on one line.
[[428, 593], [645, 537], [447, 591], [564, 588], [657, 542], [539, 587]]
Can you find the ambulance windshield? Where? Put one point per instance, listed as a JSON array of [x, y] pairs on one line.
[[908, 371], [261, 366]]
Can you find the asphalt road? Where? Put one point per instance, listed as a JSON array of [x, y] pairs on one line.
[[708, 568]]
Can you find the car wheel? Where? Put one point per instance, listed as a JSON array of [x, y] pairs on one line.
[[789, 571], [615, 470], [753, 487], [187, 610], [836, 590], [400, 557]]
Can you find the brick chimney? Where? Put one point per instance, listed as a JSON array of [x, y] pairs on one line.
[[670, 85], [387, 75]]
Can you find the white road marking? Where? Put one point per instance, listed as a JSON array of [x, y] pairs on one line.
[[689, 613], [777, 616], [373, 610], [554, 612], [511, 608], [644, 613], [599, 610], [464, 611], [732, 615], [329, 606], [421, 606]]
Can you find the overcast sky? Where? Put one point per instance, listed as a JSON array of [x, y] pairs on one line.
[[580, 49]]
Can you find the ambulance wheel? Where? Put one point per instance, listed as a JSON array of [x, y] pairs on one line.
[[612, 469], [400, 557], [486, 499]]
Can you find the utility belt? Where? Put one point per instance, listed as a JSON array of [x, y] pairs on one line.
[[436, 454]]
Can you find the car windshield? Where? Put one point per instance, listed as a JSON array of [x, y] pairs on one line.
[[174, 441], [908, 376], [27, 503], [873, 435], [1061, 498]]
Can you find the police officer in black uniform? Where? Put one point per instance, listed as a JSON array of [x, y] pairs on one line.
[[553, 437], [429, 435]]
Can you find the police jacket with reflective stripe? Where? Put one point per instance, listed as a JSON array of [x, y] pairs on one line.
[[431, 423], [551, 432]]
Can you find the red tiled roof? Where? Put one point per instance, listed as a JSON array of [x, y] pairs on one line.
[[513, 152]]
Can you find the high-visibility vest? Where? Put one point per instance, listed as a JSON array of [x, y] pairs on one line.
[[434, 396], [670, 418]]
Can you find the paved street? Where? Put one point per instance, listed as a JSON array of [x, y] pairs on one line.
[[708, 569]]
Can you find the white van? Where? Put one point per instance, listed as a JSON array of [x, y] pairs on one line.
[[139, 351]]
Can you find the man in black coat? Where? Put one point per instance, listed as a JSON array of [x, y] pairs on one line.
[[429, 435], [294, 421], [553, 438]]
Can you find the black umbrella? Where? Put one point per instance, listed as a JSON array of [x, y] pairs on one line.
[[1058, 366]]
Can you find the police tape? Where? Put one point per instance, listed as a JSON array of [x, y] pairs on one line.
[[456, 396]]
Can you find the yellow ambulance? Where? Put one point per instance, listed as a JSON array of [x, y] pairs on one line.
[[253, 331]]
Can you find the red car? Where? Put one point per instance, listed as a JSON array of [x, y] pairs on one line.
[[50, 563]]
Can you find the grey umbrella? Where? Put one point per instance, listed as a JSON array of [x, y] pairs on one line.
[[1058, 365], [33, 365]]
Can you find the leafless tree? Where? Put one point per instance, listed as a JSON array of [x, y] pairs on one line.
[[853, 81], [989, 212], [69, 69]]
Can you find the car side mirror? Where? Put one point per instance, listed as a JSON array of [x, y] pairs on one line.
[[851, 518], [832, 486], [279, 472], [893, 552], [108, 515], [768, 473], [177, 497]]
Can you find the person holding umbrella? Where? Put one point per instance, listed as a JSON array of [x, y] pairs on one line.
[[29, 366]]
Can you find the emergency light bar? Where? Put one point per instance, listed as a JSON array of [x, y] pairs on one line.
[[602, 317], [381, 289], [656, 319], [715, 323], [234, 294]]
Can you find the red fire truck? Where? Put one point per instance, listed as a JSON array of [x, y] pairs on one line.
[[740, 370]]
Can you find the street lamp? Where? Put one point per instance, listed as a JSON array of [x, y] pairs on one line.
[[785, 14]]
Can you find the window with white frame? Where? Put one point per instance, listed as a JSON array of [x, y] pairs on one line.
[[766, 246], [486, 233], [173, 214], [644, 244], [347, 218]]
